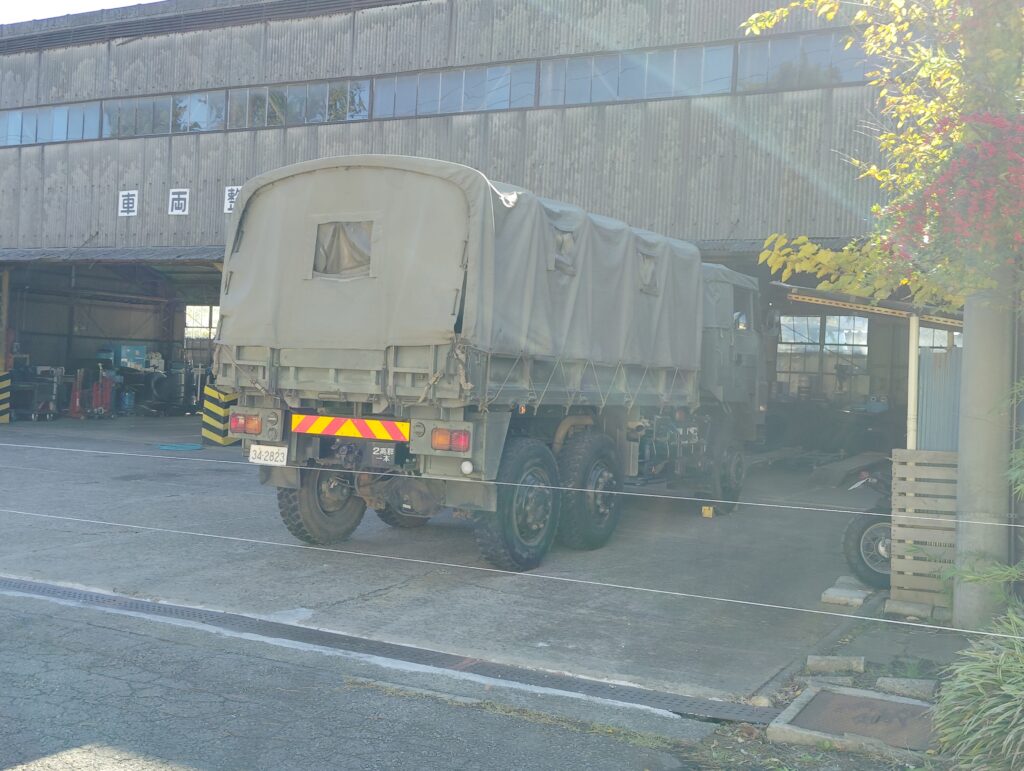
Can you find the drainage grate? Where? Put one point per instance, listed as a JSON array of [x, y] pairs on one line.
[[686, 706]]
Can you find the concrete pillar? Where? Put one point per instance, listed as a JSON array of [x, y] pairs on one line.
[[913, 364], [983, 490]]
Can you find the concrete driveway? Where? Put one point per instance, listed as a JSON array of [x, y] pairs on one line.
[[618, 614]]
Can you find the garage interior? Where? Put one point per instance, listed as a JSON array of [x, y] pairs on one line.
[[842, 381], [100, 333], [103, 336]]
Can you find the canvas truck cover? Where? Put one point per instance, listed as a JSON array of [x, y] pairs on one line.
[[373, 252]]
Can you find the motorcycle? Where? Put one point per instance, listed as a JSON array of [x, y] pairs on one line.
[[867, 541]]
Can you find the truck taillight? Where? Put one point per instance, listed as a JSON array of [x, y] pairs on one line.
[[460, 441], [240, 423], [449, 441]]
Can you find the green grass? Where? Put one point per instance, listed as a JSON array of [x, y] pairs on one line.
[[979, 717]]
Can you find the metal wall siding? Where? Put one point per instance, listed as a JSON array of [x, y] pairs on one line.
[[853, 114], [268, 150], [10, 173], [88, 68], [12, 89], [472, 28], [370, 41], [54, 78], [516, 33], [101, 203], [208, 199], [707, 168], [247, 55], [279, 50], [413, 36], [506, 134], [160, 54], [215, 58], [184, 173], [237, 157], [55, 194], [704, 168], [434, 33], [132, 63], [300, 144], [79, 194], [334, 41], [188, 61], [432, 139], [30, 193], [544, 151], [153, 190], [406, 39], [131, 171]]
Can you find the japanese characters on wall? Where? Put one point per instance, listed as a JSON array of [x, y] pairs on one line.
[[178, 201]]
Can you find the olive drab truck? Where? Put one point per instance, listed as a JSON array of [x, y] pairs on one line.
[[408, 336]]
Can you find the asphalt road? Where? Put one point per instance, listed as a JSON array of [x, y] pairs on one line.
[[83, 689], [101, 505]]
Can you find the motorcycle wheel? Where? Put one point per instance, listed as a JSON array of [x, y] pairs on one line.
[[867, 547]]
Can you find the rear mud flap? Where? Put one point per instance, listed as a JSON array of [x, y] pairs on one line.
[[471, 495], [280, 476]]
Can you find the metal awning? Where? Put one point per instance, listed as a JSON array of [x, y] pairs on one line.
[[151, 255], [851, 303]]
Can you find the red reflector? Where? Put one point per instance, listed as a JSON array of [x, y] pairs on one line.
[[253, 424], [237, 423], [441, 439], [460, 441]]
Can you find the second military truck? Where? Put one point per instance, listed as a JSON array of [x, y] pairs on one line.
[[406, 335]]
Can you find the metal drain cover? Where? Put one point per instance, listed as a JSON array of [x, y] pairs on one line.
[[901, 725]]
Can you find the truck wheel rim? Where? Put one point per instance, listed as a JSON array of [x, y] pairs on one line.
[[333, 492], [875, 548], [602, 487], [531, 507]]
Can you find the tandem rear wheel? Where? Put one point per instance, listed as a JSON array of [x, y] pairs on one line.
[[591, 503], [519, 534]]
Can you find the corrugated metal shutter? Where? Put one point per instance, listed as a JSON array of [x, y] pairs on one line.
[[939, 400]]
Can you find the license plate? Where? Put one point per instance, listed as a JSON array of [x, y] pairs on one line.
[[268, 455]]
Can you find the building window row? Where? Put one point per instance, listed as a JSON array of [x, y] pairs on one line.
[[810, 60]]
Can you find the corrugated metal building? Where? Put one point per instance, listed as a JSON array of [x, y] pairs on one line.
[[657, 112]]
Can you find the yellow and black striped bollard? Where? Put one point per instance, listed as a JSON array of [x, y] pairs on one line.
[[216, 414], [5, 397]]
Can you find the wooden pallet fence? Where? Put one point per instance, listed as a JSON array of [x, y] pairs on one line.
[[923, 525]]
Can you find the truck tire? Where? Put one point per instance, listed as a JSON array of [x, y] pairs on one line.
[[397, 519], [732, 472], [519, 534], [867, 547], [589, 462], [728, 470], [325, 508]]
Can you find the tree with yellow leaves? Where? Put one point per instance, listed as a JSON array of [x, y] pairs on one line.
[[949, 78]]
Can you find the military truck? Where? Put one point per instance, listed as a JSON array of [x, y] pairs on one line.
[[406, 335]]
